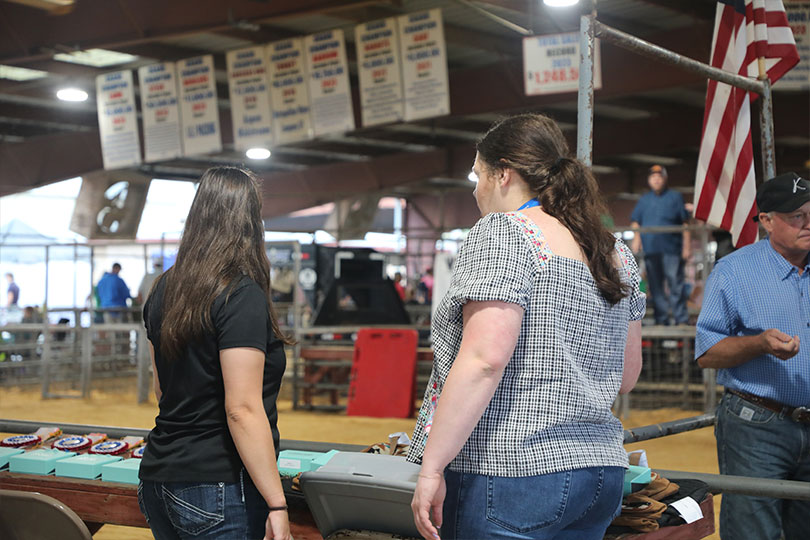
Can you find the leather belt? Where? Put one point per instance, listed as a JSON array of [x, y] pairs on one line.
[[798, 414]]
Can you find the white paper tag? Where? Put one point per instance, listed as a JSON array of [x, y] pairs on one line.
[[746, 413], [688, 508], [287, 463], [403, 437]]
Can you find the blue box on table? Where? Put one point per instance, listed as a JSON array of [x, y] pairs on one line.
[[86, 466], [5, 454], [42, 461], [636, 478], [125, 471]]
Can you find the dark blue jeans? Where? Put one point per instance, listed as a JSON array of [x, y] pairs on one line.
[[666, 268], [178, 510], [753, 441], [575, 505]]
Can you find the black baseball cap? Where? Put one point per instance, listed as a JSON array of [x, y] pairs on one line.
[[784, 193]]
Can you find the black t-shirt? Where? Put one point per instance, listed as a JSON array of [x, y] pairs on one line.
[[191, 441]]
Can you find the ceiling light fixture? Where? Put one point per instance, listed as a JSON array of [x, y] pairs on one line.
[[15, 73], [258, 153], [560, 3], [71, 94], [95, 57]]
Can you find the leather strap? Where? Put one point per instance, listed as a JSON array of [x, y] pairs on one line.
[[799, 414]]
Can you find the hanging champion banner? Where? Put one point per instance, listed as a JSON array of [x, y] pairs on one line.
[[551, 64], [424, 65], [329, 90], [117, 120], [199, 112], [288, 91], [250, 98], [379, 72], [798, 16], [160, 113]]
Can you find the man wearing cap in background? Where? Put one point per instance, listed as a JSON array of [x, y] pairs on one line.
[[664, 253], [755, 316], [148, 280]]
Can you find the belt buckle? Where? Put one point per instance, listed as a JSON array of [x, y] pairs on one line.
[[800, 414]]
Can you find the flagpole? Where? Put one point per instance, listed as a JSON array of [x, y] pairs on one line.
[[766, 123]]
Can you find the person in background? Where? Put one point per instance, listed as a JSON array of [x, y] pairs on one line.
[[664, 253], [149, 280], [398, 286], [113, 293], [13, 293], [754, 328], [538, 332], [425, 287], [209, 469]]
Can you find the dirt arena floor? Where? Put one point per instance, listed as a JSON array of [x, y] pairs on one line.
[[691, 451]]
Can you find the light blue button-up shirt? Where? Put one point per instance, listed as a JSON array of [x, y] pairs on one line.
[[749, 291]]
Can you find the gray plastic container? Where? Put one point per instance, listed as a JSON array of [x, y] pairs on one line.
[[362, 492]]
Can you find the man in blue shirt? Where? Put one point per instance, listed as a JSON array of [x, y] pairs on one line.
[[113, 293], [664, 253], [13, 294], [756, 313]]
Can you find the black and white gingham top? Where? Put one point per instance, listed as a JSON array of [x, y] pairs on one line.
[[551, 411]]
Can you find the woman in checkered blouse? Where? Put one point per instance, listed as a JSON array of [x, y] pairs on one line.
[[538, 333]]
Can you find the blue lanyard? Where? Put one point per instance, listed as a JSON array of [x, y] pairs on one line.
[[531, 203]]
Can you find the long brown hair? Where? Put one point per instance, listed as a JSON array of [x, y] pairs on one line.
[[223, 239], [534, 146]]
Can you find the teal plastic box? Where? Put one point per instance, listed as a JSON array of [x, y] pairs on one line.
[[125, 471], [41, 461], [635, 478], [292, 462], [5, 454], [84, 466]]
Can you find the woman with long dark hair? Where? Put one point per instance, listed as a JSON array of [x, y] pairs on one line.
[[209, 469], [537, 334]]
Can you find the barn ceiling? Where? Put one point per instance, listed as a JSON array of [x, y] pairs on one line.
[[645, 112]]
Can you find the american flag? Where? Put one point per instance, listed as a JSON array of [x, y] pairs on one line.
[[725, 186]]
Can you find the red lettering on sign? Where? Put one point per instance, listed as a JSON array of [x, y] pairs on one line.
[[324, 56]]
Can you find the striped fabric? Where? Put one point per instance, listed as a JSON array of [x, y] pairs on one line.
[[725, 186]]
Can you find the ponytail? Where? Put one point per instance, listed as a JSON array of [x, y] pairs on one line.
[[534, 146]]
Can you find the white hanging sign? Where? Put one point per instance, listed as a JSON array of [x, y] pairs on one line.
[[161, 115], [551, 64], [250, 98], [329, 90], [798, 16], [379, 72], [117, 120], [288, 91], [198, 105], [424, 65]]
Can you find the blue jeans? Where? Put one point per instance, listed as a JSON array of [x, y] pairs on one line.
[[753, 441], [176, 510], [578, 504], [661, 268]]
